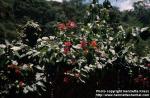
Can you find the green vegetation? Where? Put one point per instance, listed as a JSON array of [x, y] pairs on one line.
[[17, 12], [61, 52], [14, 13]]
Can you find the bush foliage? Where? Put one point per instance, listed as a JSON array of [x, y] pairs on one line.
[[76, 54]]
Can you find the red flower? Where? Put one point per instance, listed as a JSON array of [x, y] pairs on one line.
[[71, 25], [18, 72], [65, 69], [93, 43], [61, 26], [83, 44], [148, 65], [66, 80], [145, 79], [68, 44], [66, 50], [21, 84]]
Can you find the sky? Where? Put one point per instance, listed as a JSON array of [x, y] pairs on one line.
[[122, 4]]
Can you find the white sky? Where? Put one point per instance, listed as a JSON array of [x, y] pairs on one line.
[[122, 4], [55, 0]]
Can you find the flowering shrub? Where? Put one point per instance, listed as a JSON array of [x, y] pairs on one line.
[[31, 65]]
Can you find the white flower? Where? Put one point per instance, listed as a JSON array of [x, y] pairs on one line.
[[104, 21], [39, 83], [60, 43], [90, 25], [16, 48], [25, 90], [97, 58], [93, 5], [97, 17], [112, 51], [134, 34], [82, 29], [103, 54], [111, 38], [39, 40], [61, 50], [29, 88], [2, 46], [25, 66], [87, 68], [43, 42], [99, 66], [76, 46], [144, 29], [15, 62], [45, 38], [52, 37], [39, 76], [98, 35]]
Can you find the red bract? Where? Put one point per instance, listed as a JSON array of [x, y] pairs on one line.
[[68, 44], [66, 50], [61, 26], [83, 44], [65, 69], [66, 80], [93, 43], [145, 79], [71, 25], [148, 64], [18, 72], [21, 84], [13, 66]]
